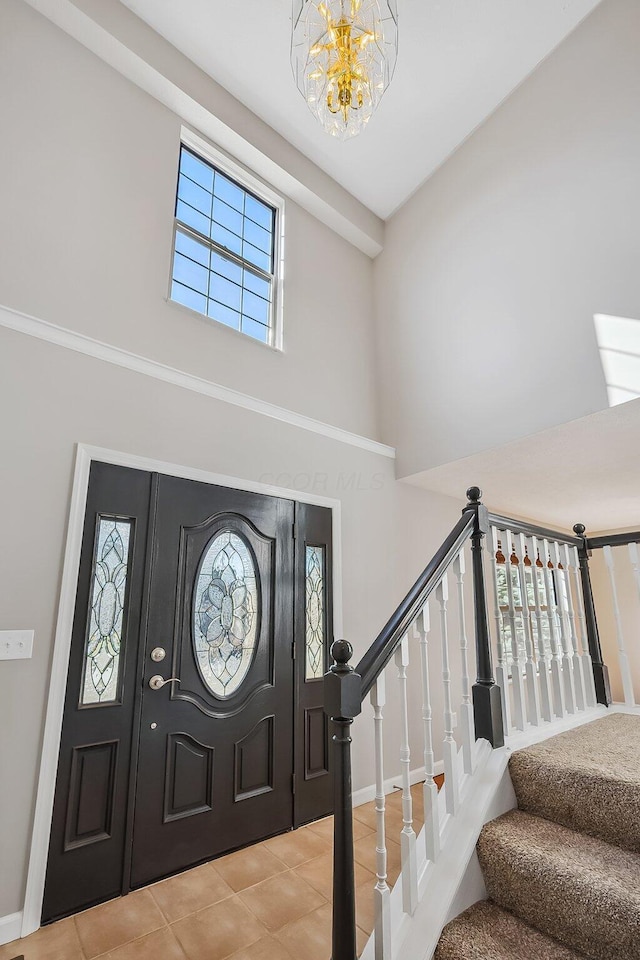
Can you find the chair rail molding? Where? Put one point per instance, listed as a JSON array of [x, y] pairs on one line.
[[99, 350]]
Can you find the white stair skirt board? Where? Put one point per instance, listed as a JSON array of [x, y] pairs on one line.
[[454, 882], [10, 927]]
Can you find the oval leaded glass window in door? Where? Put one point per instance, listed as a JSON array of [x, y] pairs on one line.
[[225, 613]]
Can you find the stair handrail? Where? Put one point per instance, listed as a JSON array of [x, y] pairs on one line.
[[345, 689], [384, 646]]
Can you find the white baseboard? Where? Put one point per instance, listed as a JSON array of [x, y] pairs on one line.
[[10, 927], [366, 794]]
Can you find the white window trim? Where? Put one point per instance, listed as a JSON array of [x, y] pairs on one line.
[[264, 192]]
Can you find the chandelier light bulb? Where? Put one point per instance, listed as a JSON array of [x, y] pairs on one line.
[[343, 54]]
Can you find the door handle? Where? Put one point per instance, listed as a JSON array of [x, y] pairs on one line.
[[158, 682]]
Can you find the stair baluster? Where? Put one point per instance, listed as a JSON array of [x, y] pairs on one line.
[[517, 684], [430, 791], [466, 707], [407, 837], [502, 670], [449, 746], [533, 699], [565, 640], [557, 685], [543, 666], [381, 893]]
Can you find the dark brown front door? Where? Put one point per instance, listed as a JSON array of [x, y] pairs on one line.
[[193, 719], [216, 761]]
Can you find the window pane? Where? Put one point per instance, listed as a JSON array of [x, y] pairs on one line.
[[190, 273], [257, 285], [194, 195], [229, 192], [315, 613], [257, 236], [256, 330], [196, 169], [225, 238], [192, 248], [227, 268], [255, 307], [227, 217], [189, 298], [192, 218], [225, 291], [257, 257], [219, 312], [258, 212], [101, 674]]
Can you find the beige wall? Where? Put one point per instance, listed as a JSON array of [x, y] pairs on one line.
[[81, 399], [629, 606], [492, 272], [87, 183], [87, 176]]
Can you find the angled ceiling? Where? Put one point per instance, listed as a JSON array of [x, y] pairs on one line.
[[557, 477], [458, 60]]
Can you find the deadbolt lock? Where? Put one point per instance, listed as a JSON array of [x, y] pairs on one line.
[[158, 654]]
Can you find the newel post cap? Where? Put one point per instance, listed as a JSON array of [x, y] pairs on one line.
[[474, 495], [579, 529], [342, 685]]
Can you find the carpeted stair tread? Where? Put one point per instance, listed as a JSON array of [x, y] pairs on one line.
[[487, 932], [577, 889], [587, 779]]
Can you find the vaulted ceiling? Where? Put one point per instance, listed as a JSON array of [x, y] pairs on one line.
[[458, 60]]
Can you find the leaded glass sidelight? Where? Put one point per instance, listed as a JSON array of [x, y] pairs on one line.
[[102, 661], [315, 613], [225, 613]]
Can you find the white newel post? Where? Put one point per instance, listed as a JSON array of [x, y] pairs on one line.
[[466, 707], [578, 677], [381, 893], [567, 652], [407, 837], [449, 747], [517, 683], [623, 660], [430, 790], [557, 686], [543, 667], [502, 671], [531, 673]]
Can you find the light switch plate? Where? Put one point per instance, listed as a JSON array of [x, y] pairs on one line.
[[16, 644]]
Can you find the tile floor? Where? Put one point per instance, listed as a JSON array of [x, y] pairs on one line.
[[271, 901]]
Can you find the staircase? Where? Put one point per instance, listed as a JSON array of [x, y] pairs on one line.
[[511, 604], [562, 871]]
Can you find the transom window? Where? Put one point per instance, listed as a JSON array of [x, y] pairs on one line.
[[224, 260]]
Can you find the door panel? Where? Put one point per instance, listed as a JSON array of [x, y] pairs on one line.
[[221, 604], [186, 580], [314, 634], [89, 823]]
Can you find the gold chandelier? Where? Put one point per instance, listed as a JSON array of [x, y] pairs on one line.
[[343, 54]]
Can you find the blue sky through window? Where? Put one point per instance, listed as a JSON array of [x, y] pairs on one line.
[[223, 264]]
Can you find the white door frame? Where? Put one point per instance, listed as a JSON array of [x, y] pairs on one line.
[[85, 456]]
